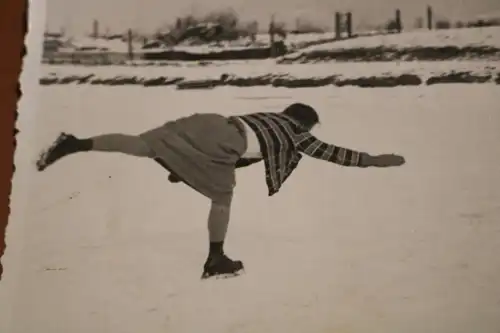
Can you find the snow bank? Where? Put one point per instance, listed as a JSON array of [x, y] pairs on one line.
[[487, 36], [243, 48], [470, 43], [292, 41], [477, 43], [291, 76], [207, 53]]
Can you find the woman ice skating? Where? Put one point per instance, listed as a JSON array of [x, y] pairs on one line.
[[204, 150]]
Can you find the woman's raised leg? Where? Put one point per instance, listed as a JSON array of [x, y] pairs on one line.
[[68, 144]]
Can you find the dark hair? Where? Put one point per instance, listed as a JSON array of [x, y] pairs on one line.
[[302, 113]]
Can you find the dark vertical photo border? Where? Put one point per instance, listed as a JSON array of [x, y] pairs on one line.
[[13, 29]]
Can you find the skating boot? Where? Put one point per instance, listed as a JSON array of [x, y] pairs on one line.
[[64, 145], [221, 266]]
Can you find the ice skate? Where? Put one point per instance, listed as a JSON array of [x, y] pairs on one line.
[[64, 145], [221, 266]]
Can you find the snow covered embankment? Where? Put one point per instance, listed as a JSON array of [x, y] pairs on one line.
[[365, 78], [452, 44]]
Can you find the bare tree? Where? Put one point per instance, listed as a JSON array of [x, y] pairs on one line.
[[227, 18]]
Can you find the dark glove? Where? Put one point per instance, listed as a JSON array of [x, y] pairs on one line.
[[387, 160], [173, 178], [381, 161]]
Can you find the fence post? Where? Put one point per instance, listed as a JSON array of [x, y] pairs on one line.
[[429, 18], [349, 24], [129, 44], [399, 26], [95, 29], [271, 37], [338, 25]]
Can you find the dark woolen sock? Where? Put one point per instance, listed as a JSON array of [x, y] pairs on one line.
[[85, 144], [216, 248]]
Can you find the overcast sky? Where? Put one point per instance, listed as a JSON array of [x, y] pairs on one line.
[[147, 15]]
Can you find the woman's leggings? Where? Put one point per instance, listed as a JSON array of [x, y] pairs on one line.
[[122, 143]]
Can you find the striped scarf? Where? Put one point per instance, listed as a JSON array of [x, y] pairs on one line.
[[282, 140]]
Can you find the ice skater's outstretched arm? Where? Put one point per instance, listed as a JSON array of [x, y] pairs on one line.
[[312, 146]]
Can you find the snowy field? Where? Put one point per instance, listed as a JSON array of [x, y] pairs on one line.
[[109, 245], [479, 42], [487, 36], [478, 52], [422, 45], [248, 69], [292, 41], [262, 39]]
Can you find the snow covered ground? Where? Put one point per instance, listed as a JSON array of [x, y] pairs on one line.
[[292, 41], [106, 244], [311, 60], [476, 37], [263, 40], [265, 67], [423, 45], [487, 36]]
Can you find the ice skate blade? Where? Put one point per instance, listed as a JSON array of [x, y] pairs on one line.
[[222, 276]]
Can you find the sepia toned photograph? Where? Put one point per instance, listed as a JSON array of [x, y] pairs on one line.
[[266, 166]]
